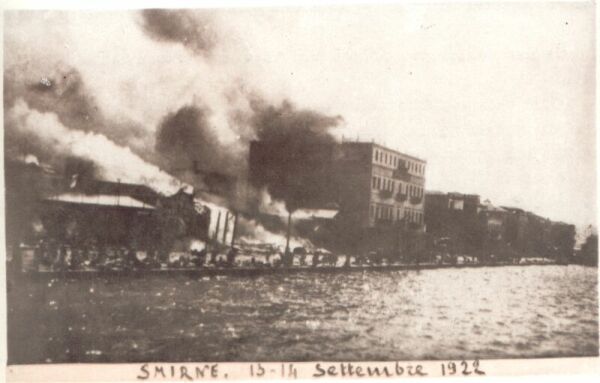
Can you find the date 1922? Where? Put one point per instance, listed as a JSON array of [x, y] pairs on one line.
[[464, 368]]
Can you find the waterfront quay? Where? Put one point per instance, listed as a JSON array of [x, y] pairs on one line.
[[256, 271]]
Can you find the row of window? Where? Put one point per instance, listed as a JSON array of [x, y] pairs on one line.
[[389, 213], [385, 158], [415, 216], [383, 183]]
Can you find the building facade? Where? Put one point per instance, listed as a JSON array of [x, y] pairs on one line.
[[453, 219], [381, 195], [397, 188], [465, 226], [73, 210], [442, 210]]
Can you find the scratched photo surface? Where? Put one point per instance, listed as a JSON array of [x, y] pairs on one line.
[[348, 183]]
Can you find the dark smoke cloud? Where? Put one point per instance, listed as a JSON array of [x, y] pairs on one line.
[[191, 29], [60, 91], [63, 92], [293, 153], [287, 125], [185, 139], [85, 169], [297, 145]]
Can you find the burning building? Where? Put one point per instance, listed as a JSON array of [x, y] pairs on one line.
[[80, 210], [80, 219]]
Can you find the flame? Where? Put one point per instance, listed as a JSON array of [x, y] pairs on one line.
[[261, 235], [197, 245], [31, 159], [37, 226], [270, 206]]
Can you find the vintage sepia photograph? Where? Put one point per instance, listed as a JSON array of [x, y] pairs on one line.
[[340, 184]]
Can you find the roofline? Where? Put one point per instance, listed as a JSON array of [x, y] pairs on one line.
[[386, 148], [123, 184], [148, 207], [513, 208], [145, 206], [438, 192]]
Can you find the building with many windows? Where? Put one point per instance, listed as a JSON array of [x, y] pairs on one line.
[[397, 188], [381, 194], [378, 192]]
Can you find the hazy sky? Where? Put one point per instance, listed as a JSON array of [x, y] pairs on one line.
[[499, 99]]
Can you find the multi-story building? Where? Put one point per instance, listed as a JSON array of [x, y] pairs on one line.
[[454, 216], [494, 219], [390, 184], [532, 234], [381, 194]]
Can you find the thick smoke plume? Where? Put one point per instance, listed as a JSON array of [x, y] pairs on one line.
[[297, 142], [63, 92], [193, 31], [60, 91], [185, 139], [293, 148], [208, 115], [252, 231], [110, 159], [292, 127], [81, 167]]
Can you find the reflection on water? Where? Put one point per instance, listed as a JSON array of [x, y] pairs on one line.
[[504, 312]]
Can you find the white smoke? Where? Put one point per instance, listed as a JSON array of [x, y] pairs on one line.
[[117, 162], [113, 161], [44, 45], [39, 44], [262, 235], [270, 206]]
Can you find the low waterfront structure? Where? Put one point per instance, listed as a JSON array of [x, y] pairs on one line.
[[485, 229], [455, 216]]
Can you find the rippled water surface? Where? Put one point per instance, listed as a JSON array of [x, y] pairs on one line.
[[502, 312]]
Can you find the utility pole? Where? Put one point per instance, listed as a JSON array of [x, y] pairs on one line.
[[398, 228], [118, 191], [225, 226], [235, 219], [216, 233], [289, 232]]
